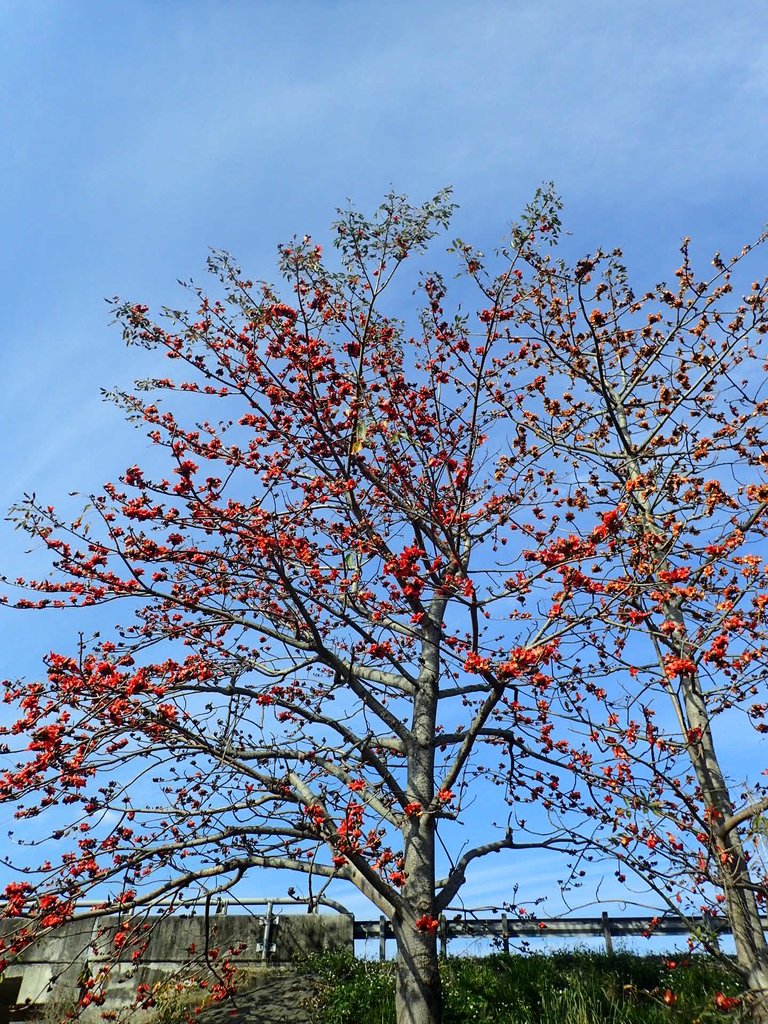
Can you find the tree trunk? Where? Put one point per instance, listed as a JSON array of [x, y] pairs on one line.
[[733, 868], [418, 992], [744, 917], [751, 950]]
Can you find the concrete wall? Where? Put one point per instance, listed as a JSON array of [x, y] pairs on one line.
[[52, 970]]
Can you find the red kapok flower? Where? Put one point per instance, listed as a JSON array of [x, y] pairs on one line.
[[726, 1003]]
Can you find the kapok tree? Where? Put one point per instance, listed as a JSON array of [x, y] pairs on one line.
[[397, 567], [328, 650], [652, 407]]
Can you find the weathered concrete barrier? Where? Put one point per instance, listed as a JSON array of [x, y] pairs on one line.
[[153, 951]]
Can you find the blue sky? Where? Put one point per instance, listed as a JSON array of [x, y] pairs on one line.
[[136, 134]]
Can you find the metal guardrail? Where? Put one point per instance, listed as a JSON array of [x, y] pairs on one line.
[[505, 928], [222, 905], [465, 924]]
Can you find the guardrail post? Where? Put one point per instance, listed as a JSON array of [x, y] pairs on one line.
[[607, 933], [266, 949], [504, 934], [382, 937]]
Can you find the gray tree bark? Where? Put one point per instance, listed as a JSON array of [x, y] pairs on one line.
[[418, 991]]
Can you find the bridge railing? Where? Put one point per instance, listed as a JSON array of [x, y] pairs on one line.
[[504, 928], [464, 923]]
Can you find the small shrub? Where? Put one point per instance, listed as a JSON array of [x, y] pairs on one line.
[[350, 991], [561, 988]]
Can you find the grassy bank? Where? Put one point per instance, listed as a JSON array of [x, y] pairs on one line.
[[564, 988]]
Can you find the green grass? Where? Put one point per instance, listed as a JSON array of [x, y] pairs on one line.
[[562, 988]]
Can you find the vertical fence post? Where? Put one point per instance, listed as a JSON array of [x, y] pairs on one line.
[[607, 933], [504, 934], [266, 948], [443, 937], [382, 937]]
